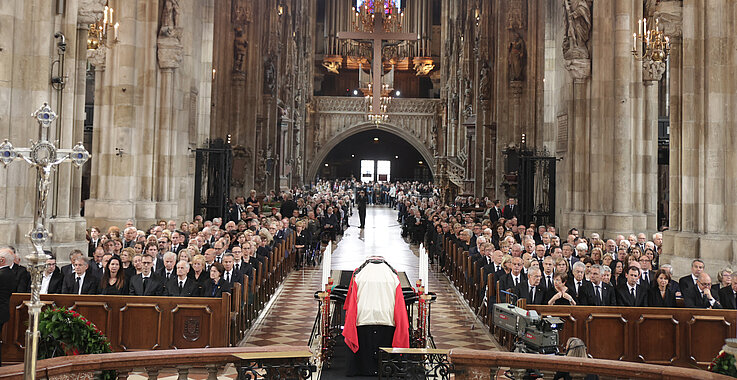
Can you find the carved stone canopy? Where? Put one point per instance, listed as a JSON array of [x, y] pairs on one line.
[[89, 11], [96, 57], [670, 17]]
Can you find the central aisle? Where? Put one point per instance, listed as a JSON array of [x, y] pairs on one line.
[[290, 317]]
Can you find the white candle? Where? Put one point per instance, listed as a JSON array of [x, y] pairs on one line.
[[116, 26], [634, 42], [111, 16], [104, 15], [639, 27], [644, 23]]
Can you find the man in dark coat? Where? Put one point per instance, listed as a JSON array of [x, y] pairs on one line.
[[361, 201], [7, 286], [630, 293], [700, 296], [146, 283], [80, 281]]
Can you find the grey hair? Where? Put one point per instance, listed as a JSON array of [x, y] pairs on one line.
[[605, 269], [579, 264]]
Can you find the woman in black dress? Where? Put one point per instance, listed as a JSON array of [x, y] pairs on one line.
[[216, 286], [113, 281], [197, 272], [561, 295], [661, 295], [126, 262]]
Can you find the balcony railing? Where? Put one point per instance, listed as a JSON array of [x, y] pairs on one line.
[[251, 363]]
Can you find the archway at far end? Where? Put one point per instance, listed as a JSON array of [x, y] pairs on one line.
[[398, 132]]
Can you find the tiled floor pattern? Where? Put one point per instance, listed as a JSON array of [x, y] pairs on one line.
[[289, 319]]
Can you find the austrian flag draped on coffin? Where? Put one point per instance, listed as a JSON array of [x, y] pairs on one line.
[[375, 298]]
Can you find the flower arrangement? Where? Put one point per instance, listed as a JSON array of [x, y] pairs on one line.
[[725, 363], [66, 332]]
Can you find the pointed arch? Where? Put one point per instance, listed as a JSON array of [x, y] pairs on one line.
[[366, 126]]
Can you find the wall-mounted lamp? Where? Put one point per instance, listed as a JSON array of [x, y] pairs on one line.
[[119, 152]]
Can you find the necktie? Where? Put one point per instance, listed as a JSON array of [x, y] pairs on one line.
[[181, 286], [497, 268], [645, 277], [632, 292], [578, 287], [78, 286], [531, 294], [598, 294], [145, 282], [237, 267], [516, 281], [549, 282]]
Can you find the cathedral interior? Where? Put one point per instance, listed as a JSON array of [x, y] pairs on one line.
[[616, 129]]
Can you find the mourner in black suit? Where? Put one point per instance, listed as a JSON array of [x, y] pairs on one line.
[[728, 296], [361, 200], [22, 277], [626, 289], [182, 285], [7, 286], [515, 277], [51, 280], [80, 281], [531, 289], [595, 292], [216, 285], [689, 281], [662, 294], [700, 296], [146, 283], [510, 210]]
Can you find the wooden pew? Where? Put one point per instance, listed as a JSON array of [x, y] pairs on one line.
[[681, 337], [133, 323]]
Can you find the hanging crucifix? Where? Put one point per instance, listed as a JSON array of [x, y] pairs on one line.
[[377, 37]]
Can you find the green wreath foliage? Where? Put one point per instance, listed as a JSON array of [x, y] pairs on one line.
[[66, 332], [724, 364]]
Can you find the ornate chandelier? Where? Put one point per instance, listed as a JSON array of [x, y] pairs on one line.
[[98, 34], [365, 11], [654, 43]]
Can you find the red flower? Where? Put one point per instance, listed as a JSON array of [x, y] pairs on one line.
[[88, 323]]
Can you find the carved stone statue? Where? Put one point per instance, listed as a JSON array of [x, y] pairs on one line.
[[240, 50], [578, 29], [517, 58], [484, 83], [269, 76], [467, 99], [170, 18]]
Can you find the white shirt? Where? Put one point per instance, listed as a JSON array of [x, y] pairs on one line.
[[81, 281], [516, 279], [630, 288], [45, 283]]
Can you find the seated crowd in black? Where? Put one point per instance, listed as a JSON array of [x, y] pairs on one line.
[[534, 263], [199, 258]]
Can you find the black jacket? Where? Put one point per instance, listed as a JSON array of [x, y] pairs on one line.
[[154, 286], [727, 298], [656, 300], [89, 284], [22, 279], [624, 298], [523, 291], [191, 288], [57, 280], [693, 299], [588, 295], [7, 287], [215, 290]]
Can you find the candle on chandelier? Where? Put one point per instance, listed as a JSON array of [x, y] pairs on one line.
[[634, 42], [116, 26]]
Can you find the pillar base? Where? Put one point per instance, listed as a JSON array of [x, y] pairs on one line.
[[66, 234], [680, 248], [105, 213]]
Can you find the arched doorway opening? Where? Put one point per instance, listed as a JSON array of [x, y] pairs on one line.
[[406, 157]]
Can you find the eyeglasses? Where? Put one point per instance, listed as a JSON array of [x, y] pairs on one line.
[[147, 262]]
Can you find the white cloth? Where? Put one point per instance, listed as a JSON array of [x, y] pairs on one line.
[[377, 286]]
